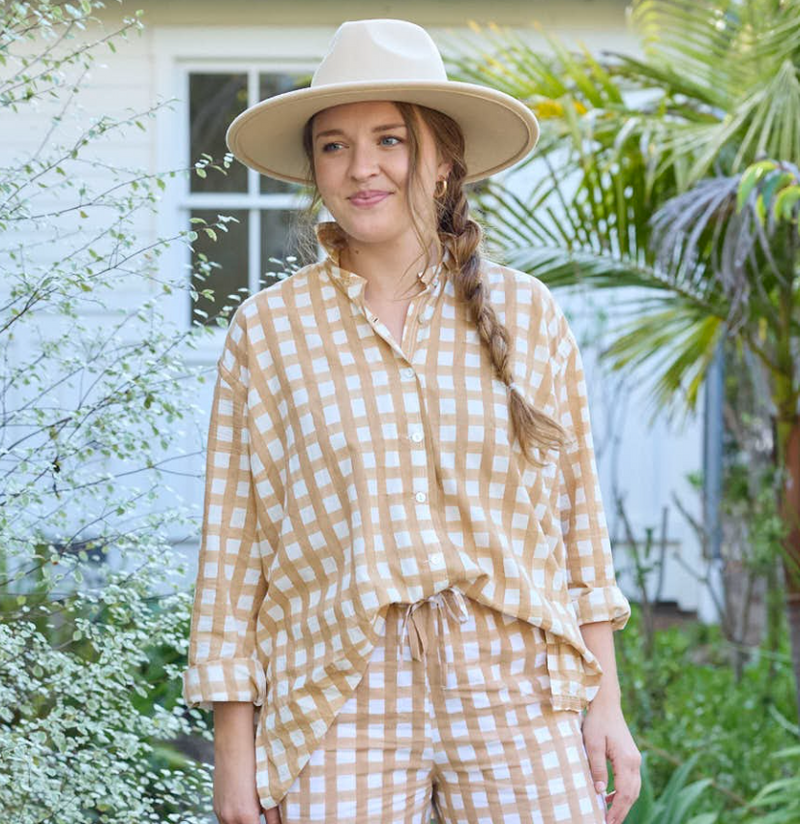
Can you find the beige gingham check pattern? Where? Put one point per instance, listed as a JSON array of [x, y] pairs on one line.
[[464, 731], [347, 471]]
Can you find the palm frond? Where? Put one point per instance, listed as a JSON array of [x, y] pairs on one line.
[[725, 45], [734, 246], [500, 58], [600, 236], [592, 228], [774, 119], [767, 121], [670, 81], [778, 185], [676, 345]]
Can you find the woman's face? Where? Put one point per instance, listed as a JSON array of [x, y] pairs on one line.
[[361, 164]]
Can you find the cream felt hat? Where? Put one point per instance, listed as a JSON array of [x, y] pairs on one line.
[[383, 60]]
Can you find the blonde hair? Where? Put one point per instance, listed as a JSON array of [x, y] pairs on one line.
[[462, 237]]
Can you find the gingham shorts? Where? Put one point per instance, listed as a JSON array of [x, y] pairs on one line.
[[452, 721]]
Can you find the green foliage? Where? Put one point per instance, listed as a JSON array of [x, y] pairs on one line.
[[96, 392], [750, 498], [684, 700], [782, 795], [674, 805], [76, 747], [777, 190]]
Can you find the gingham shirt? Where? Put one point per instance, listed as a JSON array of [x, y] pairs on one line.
[[347, 471]]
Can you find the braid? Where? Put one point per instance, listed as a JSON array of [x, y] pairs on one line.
[[462, 236]]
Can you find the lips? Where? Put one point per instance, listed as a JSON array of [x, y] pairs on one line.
[[368, 198]]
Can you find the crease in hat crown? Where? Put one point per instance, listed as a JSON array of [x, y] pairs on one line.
[[393, 49], [383, 60]]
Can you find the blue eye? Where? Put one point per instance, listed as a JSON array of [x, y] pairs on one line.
[[331, 147]]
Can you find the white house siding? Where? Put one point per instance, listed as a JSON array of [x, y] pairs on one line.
[[643, 464]]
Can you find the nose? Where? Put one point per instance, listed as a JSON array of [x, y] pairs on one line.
[[363, 161]]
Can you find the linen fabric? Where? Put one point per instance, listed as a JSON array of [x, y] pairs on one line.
[[463, 731], [347, 471]]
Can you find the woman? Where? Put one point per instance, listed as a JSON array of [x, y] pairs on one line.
[[405, 565]]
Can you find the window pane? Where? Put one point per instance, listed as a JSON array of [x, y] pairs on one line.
[[229, 251], [269, 85], [214, 101], [281, 237]]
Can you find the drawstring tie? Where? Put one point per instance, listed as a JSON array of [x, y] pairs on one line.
[[451, 600]]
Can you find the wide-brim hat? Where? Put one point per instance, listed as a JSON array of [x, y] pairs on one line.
[[391, 60]]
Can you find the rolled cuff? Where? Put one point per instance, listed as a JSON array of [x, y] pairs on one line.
[[602, 604], [229, 679]]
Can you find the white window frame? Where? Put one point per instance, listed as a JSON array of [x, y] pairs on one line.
[[178, 51], [253, 200]]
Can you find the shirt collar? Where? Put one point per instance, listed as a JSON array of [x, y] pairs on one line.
[[349, 282], [353, 285]]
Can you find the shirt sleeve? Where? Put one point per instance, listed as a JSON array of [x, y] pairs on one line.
[[223, 664], [590, 568]]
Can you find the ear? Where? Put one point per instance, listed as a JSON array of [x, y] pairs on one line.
[[443, 169]]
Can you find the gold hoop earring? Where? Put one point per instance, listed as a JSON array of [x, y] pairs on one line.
[[436, 193]]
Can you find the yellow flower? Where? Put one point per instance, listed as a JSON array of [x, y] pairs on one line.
[[553, 108], [548, 108]]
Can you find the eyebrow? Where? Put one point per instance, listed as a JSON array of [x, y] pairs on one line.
[[386, 128]]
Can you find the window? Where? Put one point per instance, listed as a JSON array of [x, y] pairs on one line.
[[263, 231]]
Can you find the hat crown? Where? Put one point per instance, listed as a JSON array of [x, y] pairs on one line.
[[380, 50]]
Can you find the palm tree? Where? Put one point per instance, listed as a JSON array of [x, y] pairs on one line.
[[653, 183]]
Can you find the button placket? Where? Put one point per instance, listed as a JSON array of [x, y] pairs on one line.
[[381, 329], [433, 563], [432, 560], [425, 315], [409, 342], [419, 308], [419, 313]]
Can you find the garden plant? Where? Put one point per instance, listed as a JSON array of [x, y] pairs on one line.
[[96, 413]]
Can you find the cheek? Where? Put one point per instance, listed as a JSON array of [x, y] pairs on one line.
[[327, 176], [422, 193]]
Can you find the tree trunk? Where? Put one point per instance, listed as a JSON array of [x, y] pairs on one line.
[[790, 514]]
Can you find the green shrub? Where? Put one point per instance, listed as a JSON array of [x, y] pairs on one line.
[[93, 601], [674, 804], [783, 795], [685, 702]]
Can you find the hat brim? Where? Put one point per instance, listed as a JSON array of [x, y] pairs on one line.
[[498, 130]]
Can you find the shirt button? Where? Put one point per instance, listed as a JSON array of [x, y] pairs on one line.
[[408, 372], [436, 559], [421, 497], [417, 435]]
